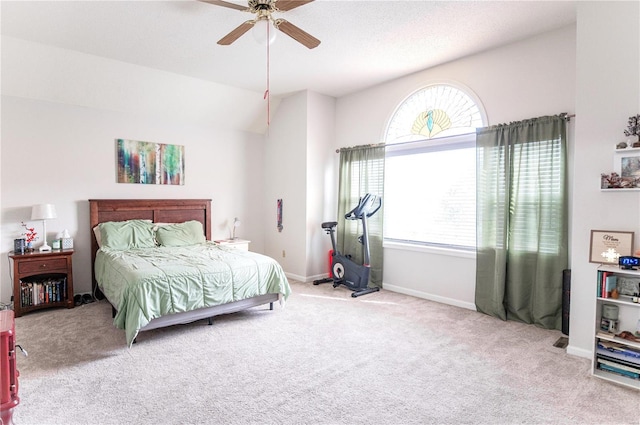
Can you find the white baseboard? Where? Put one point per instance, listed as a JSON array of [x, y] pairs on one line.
[[579, 352], [431, 297], [304, 279]]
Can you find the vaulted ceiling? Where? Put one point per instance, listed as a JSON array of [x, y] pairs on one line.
[[363, 43]]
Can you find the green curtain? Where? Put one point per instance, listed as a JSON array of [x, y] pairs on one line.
[[361, 172], [522, 236]]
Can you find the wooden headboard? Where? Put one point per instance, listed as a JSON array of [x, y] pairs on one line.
[[156, 210]]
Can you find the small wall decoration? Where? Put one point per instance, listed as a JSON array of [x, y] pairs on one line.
[[279, 215], [608, 245], [149, 163], [633, 130]]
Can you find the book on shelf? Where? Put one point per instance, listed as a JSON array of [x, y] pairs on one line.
[[45, 291], [618, 371], [618, 351], [629, 367], [607, 282], [611, 281], [629, 363]]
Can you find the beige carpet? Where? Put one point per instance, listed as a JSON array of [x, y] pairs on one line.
[[326, 358]]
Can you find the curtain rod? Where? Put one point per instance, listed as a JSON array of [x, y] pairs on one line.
[[567, 117], [374, 145]]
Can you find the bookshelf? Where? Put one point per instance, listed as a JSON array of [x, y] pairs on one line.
[[615, 358]]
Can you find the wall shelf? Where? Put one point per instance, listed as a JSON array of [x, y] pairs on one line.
[[619, 156], [627, 150]]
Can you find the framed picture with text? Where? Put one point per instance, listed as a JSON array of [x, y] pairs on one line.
[[607, 245]]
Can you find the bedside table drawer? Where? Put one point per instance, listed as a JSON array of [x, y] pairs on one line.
[[42, 265]]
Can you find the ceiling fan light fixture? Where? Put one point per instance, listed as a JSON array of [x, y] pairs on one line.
[[262, 30]]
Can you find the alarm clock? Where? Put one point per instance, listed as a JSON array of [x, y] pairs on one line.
[[628, 262]]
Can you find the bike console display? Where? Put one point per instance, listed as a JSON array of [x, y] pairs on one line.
[[369, 205]]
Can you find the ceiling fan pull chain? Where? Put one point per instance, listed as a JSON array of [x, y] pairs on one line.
[[267, 95]]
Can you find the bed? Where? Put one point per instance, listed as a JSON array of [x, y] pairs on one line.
[[180, 277]]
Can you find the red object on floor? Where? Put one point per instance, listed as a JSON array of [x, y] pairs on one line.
[[8, 371], [330, 261]]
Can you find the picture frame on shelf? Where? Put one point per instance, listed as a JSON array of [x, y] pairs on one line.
[[626, 163], [607, 246], [628, 285]]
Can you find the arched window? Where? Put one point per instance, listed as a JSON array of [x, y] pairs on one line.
[[434, 111], [430, 168]]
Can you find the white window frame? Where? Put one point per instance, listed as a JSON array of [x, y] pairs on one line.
[[409, 147]]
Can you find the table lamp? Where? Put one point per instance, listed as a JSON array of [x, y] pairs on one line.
[[43, 212], [236, 224]]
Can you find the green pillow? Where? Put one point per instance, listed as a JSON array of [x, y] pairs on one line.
[[127, 234], [180, 234]]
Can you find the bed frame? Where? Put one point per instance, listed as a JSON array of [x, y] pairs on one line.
[[165, 211]]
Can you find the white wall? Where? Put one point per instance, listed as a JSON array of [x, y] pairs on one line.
[[58, 144], [528, 79], [608, 93], [37, 71], [321, 199], [300, 171], [286, 178]]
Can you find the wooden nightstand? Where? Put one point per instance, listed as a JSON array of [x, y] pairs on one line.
[[240, 244], [42, 280]]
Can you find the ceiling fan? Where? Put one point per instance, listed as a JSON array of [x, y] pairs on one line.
[[263, 9]]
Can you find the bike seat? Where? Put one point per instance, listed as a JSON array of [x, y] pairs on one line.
[[329, 224]]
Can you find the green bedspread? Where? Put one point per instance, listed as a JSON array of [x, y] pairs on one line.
[[148, 283]]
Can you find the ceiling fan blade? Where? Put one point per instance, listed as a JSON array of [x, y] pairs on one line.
[[296, 33], [236, 33], [225, 4], [284, 5]]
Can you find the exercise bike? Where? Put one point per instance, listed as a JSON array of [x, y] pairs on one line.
[[344, 271]]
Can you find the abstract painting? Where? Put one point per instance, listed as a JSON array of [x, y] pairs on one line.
[[149, 163]]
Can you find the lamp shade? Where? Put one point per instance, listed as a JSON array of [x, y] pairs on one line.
[[263, 31], [43, 212]]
